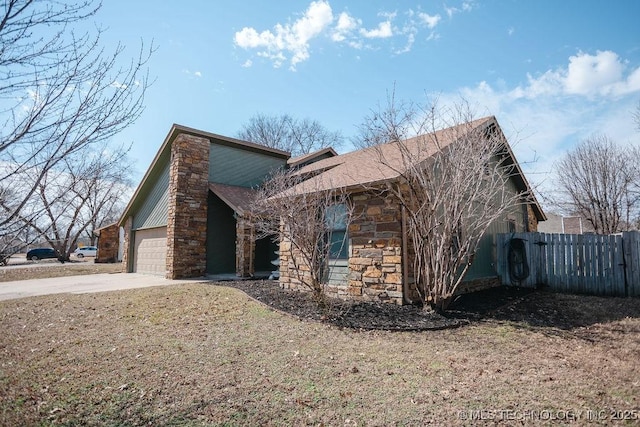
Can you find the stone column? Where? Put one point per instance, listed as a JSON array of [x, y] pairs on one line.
[[187, 216], [245, 247], [126, 246], [108, 244]]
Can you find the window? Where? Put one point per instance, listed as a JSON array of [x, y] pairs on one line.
[[336, 236]]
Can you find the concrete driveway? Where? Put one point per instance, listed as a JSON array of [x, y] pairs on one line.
[[84, 284]]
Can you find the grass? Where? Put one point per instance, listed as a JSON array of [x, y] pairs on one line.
[[199, 354]]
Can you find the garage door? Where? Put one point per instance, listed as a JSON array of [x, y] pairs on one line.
[[150, 251]]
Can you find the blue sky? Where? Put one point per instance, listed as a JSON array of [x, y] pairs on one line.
[[552, 71]]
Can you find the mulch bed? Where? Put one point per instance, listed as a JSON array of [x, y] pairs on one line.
[[369, 315]]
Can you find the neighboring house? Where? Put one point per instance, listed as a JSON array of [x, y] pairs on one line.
[[375, 263], [565, 225], [185, 218]]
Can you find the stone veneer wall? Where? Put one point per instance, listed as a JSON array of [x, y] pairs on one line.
[[245, 247], [375, 261], [127, 264], [533, 221], [292, 268], [108, 244], [187, 213]]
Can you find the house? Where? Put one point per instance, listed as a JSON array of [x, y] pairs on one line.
[[189, 215], [565, 225], [185, 218], [376, 262]]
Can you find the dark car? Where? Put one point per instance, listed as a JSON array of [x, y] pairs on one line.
[[41, 253]]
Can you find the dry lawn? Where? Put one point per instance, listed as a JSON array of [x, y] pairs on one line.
[[52, 268], [201, 354]]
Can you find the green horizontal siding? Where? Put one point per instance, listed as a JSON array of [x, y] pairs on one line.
[[484, 262], [235, 166], [154, 210]]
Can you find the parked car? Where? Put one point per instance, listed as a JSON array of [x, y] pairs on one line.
[[41, 253], [4, 258], [86, 251]]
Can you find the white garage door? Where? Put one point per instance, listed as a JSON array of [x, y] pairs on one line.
[[150, 251]]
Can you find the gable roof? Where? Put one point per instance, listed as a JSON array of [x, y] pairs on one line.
[[312, 157], [364, 167], [237, 198], [164, 153]]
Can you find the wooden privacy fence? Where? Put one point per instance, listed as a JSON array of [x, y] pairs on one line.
[[575, 263]]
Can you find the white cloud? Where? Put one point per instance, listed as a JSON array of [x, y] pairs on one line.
[[345, 27], [248, 63], [587, 75], [382, 31], [196, 74], [292, 42], [511, 30], [430, 20], [411, 38], [466, 6], [555, 110], [291, 39]]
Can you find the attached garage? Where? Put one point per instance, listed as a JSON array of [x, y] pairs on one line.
[[191, 198], [150, 251]]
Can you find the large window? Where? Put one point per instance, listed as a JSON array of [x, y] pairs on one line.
[[336, 219]]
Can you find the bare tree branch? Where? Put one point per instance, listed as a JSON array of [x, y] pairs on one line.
[[60, 95], [303, 224], [453, 185], [289, 134], [598, 180]]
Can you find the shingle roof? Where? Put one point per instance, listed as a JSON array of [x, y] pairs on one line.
[[364, 167], [309, 158], [237, 198]]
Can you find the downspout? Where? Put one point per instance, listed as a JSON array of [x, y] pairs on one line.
[[405, 260]]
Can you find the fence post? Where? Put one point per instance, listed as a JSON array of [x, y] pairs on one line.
[[631, 244], [619, 288]]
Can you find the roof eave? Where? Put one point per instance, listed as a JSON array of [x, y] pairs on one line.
[[176, 130]]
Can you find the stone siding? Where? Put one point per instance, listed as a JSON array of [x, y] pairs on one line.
[[108, 241], [375, 264], [127, 263], [293, 270], [245, 247], [532, 225], [375, 260], [187, 213]]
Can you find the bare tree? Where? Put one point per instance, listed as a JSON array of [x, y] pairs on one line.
[[397, 120], [303, 220], [297, 136], [61, 93], [452, 184], [73, 201], [598, 180]]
